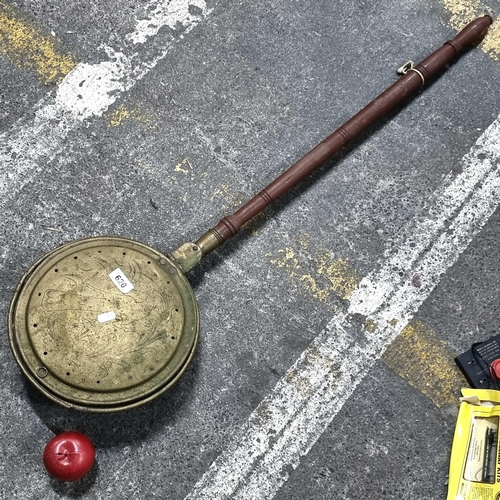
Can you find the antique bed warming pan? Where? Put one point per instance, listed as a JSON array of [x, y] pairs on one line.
[[106, 324]]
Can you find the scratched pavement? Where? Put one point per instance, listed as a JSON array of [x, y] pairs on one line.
[[329, 326]]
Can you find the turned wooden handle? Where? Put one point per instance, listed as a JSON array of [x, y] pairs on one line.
[[412, 79]]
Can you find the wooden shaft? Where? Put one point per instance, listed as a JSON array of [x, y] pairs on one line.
[[380, 106]]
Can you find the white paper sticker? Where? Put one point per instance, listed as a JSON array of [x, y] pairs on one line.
[[120, 280], [108, 316]]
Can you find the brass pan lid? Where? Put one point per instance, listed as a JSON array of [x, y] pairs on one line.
[[103, 324]]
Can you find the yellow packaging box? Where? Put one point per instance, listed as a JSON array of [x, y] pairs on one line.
[[475, 454]]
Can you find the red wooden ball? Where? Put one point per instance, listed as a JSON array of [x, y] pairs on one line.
[[69, 456]]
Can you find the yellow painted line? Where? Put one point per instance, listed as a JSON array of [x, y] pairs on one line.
[[230, 199], [30, 49], [125, 112], [185, 166], [417, 355], [491, 43], [319, 275], [343, 280], [424, 361], [463, 11]]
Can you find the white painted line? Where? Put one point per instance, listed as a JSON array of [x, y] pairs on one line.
[[87, 91], [169, 14], [290, 420], [477, 165]]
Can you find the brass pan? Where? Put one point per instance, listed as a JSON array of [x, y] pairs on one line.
[[106, 324], [103, 324]]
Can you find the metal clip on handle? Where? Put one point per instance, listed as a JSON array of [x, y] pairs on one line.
[[410, 66]]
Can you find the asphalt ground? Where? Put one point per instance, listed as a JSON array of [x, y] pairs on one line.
[[206, 104]]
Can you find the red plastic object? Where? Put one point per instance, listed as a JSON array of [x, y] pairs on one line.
[[495, 369], [69, 456]]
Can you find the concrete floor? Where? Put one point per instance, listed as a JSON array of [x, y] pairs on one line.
[[206, 104]]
